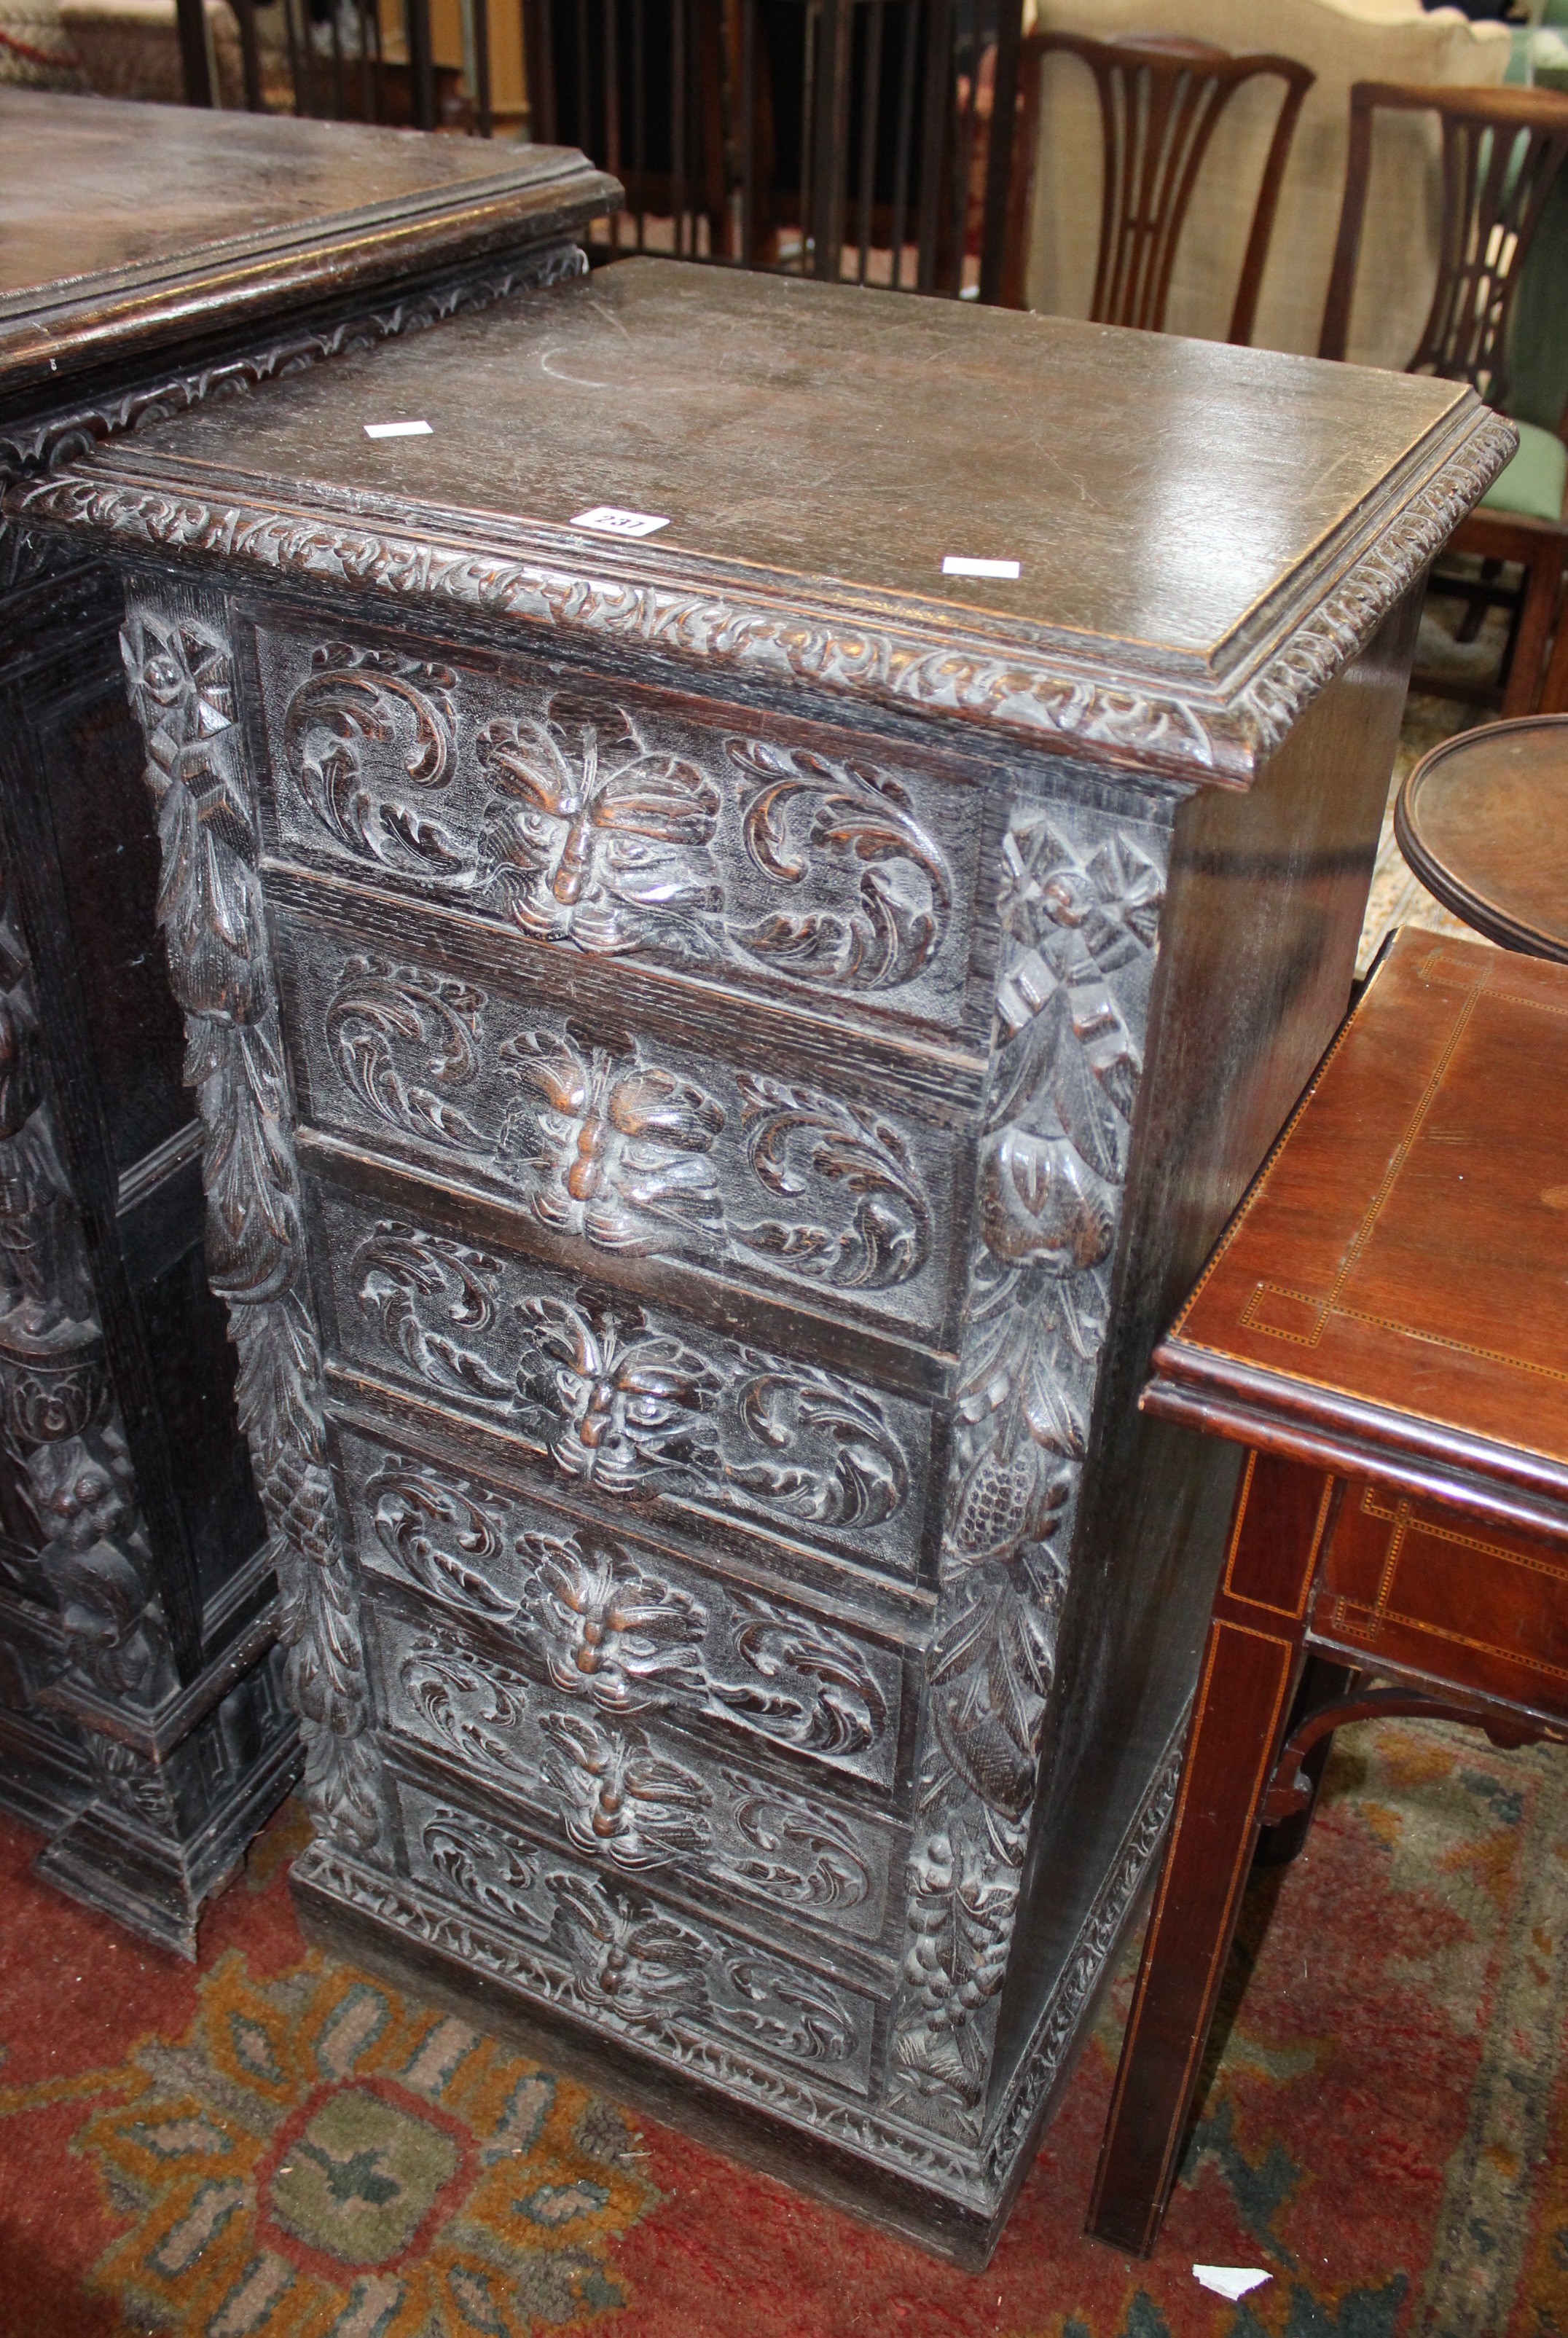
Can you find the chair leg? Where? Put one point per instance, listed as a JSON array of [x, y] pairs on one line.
[[1543, 576], [1251, 1663], [1554, 689], [1475, 616]]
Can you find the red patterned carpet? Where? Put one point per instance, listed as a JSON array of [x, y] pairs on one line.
[[275, 2144]]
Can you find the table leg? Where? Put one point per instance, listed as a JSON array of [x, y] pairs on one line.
[[1252, 1663]]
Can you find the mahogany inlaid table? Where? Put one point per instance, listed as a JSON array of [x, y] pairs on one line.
[[1483, 820], [1384, 1329], [153, 258], [723, 1035]]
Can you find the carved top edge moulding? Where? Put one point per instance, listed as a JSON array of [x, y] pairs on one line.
[[1204, 535], [127, 229]]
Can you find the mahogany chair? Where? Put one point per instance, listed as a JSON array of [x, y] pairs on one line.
[[1160, 102], [1501, 152]]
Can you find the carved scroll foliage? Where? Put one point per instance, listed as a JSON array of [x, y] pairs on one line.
[[621, 1403], [606, 1629], [624, 1799], [1080, 913], [625, 1152], [59, 1422], [180, 673], [810, 806], [565, 816], [359, 710]]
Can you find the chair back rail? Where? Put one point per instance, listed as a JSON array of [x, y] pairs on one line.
[[853, 140], [1503, 150], [1161, 101]]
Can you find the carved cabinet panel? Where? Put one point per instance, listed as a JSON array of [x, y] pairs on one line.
[[630, 1796], [623, 1144], [633, 1962], [715, 1071], [609, 821], [624, 1629], [627, 1403]]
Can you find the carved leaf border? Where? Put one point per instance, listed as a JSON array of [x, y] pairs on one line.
[[180, 668], [1220, 734]]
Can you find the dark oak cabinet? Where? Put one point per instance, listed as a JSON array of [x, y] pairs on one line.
[[153, 258], [719, 1051]]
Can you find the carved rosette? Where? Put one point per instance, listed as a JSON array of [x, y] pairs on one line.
[[1079, 911], [181, 671], [58, 1419]]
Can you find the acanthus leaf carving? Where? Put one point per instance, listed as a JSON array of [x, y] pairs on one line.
[[624, 1404], [607, 1628], [180, 668], [1079, 910], [809, 804], [59, 1421], [795, 1850], [888, 1238], [360, 708], [376, 1011], [625, 1152]]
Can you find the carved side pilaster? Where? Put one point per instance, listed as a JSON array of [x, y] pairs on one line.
[[181, 669], [1079, 909], [59, 1422]]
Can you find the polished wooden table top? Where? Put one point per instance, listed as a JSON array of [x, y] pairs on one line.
[[125, 226], [1394, 1289], [1483, 820], [1177, 510]]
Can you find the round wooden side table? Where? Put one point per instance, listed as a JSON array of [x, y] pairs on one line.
[[1483, 820]]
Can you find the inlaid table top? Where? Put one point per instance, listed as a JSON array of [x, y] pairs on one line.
[[128, 226], [1396, 1282], [1482, 821]]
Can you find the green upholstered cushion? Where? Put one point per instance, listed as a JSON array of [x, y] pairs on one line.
[[1535, 481]]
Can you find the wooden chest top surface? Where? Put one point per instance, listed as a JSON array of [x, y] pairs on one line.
[[1400, 1268], [1179, 510], [110, 211]]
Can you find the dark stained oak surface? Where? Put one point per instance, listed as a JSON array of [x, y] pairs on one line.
[[1483, 820], [1401, 1266], [1155, 492], [116, 220]]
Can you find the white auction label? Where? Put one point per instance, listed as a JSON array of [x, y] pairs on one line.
[[958, 564], [604, 519], [399, 430]]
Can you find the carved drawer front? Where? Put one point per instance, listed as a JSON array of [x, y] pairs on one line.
[[621, 1630], [598, 1939], [600, 819], [638, 1148], [630, 1798], [623, 1403]]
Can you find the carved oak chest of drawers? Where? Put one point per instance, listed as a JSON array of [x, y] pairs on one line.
[[151, 258], [717, 1053]]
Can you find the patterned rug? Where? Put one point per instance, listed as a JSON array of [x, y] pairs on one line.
[[279, 2144]]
